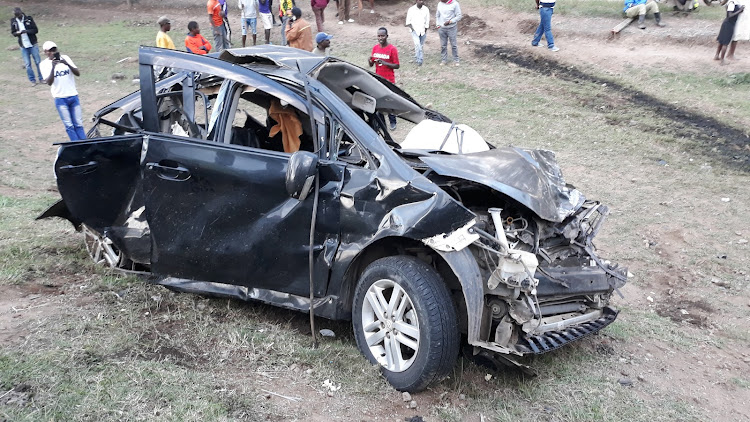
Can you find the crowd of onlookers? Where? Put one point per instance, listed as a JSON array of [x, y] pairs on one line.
[[296, 32], [58, 70]]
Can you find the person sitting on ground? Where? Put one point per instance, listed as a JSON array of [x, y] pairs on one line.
[[686, 5], [640, 8], [299, 31], [323, 42], [194, 42], [163, 40]]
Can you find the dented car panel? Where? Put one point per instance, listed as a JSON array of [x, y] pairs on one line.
[[532, 178], [193, 186]]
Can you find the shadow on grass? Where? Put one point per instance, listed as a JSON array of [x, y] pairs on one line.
[[709, 136]]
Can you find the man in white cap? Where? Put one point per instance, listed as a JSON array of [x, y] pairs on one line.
[[163, 40], [57, 71], [323, 42]]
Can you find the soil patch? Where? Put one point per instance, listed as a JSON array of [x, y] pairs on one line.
[[679, 310], [22, 305], [711, 137], [471, 25]]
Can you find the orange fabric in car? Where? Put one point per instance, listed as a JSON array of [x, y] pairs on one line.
[[289, 125]]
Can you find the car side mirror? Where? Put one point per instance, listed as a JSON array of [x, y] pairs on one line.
[[300, 174]]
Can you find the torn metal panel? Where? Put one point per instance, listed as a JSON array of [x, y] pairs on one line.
[[531, 177], [326, 306]]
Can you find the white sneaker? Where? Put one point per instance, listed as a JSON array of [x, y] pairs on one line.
[[341, 22], [350, 20], [554, 49]]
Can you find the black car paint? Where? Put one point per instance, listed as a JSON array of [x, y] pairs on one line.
[[219, 219], [220, 213]]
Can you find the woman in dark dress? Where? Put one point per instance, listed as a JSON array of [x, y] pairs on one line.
[[727, 29]]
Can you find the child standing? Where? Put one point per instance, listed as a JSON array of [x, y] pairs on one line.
[[385, 57], [727, 29], [194, 41]]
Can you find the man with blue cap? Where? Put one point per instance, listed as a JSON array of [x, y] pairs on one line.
[[323, 42]]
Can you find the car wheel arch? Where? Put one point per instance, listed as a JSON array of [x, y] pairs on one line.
[[458, 269]]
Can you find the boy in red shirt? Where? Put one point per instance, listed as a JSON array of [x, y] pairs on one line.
[[194, 42], [385, 57]]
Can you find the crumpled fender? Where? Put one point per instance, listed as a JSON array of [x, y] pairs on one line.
[[59, 209], [465, 267]]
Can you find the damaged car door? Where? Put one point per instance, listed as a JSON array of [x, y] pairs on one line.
[[218, 208], [98, 180]]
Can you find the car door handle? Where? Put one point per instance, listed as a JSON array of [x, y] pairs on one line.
[[80, 168], [169, 172]]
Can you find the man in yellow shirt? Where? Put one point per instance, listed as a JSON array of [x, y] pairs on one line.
[[162, 39]]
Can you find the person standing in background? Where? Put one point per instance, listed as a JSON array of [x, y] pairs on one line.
[[385, 58], [546, 9], [418, 20], [299, 32], [58, 71], [343, 7], [446, 20], [318, 8], [163, 40], [24, 28], [249, 18], [741, 28], [194, 42], [727, 29], [216, 18], [266, 18], [285, 13]]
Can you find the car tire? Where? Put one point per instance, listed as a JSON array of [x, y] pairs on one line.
[[405, 322]]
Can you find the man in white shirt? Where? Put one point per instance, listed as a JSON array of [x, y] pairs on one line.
[[24, 28], [58, 71], [249, 19], [418, 20]]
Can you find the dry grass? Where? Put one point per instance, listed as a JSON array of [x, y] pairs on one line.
[[111, 347]]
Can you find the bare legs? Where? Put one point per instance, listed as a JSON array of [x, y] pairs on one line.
[[732, 46], [720, 51]]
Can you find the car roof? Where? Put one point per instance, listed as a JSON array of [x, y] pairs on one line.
[[288, 57]]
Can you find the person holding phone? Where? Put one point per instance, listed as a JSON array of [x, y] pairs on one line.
[[298, 31], [58, 71]]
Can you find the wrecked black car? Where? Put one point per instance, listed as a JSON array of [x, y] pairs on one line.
[[269, 173]]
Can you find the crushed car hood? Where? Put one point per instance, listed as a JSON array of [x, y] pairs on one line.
[[531, 177]]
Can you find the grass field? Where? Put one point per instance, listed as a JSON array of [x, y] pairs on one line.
[[91, 345]]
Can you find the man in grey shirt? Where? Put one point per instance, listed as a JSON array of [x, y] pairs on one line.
[[446, 19]]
